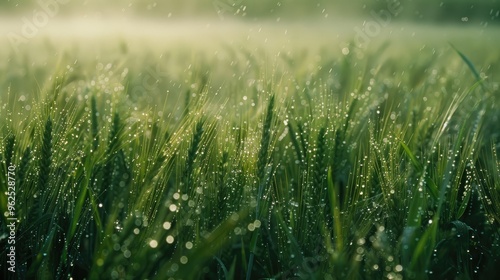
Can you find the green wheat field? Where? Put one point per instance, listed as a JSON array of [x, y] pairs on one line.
[[251, 150]]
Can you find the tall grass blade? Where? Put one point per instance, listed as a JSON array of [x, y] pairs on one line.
[[23, 166], [94, 123], [45, 160], [263, 177], [265, 140], [192, 155], [9, 149]]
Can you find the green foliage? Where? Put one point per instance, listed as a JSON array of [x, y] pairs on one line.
[[360, 171]]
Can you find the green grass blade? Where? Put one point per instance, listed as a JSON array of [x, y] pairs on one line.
[[468, 62]]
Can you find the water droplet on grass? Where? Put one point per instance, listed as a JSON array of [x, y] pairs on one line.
[[170, 239], [167, 225], [127, 254], [153, 243], [172, 207]]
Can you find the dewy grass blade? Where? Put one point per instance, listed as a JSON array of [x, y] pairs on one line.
[[94, 123], [9, 149], [265, 140], [335, 208], [431, 186], [45, 158], [468, 62]]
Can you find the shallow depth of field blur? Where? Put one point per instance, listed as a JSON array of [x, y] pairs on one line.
[[238, 139]]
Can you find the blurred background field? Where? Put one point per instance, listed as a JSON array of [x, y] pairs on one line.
[[480, 11]]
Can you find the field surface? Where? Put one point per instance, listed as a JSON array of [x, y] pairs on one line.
[[270, 149]]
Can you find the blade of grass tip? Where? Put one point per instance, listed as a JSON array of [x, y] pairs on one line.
[[23, 167], [223, 267], [94, 123], [232, 270], [412, 157], [46, 157], [470, 65], [228, 275], [464, 204]]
